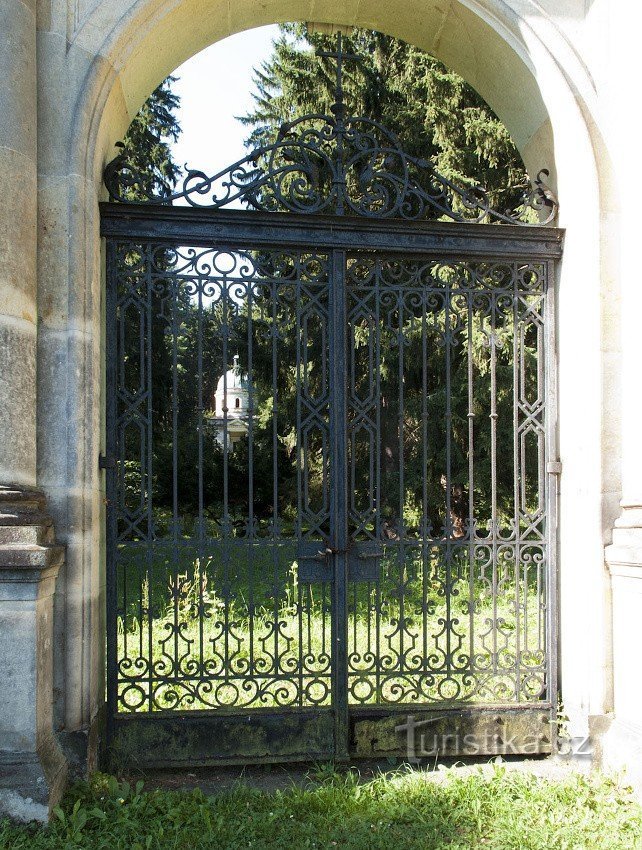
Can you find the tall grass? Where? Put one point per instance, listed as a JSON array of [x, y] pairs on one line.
[[494, 810]]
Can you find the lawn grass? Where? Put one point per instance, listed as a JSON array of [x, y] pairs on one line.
[[496, 810]]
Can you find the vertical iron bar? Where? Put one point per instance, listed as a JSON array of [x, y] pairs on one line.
[[301, 343], [175, 289], [378, 482], [121, 348], [517, 390], [250, 476], [275, 536], [111, 383], [522, 490], [201, 518], [145, 438], [424, 478], [351, 461], [338, 497], [471, 478], [301, 449], [493, 466], [226, 285], [553, 491], [449, 519], [150, 478], [401, 528]]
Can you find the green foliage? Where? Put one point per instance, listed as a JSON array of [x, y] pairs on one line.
[[494, 808], [432, 110], [147, 142], [435, 113], [192, 342]]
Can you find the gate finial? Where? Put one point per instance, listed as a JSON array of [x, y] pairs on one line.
[[338, 108]]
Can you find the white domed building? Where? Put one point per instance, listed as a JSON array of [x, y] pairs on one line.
[[230, 407]]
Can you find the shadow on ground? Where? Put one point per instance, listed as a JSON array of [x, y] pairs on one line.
[[280, 777]]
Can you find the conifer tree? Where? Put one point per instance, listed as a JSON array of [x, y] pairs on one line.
[[432, 110], [435, 115], [147, 143], [147, 147]]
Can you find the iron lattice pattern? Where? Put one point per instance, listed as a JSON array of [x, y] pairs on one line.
[[225, 521], [447, 473]]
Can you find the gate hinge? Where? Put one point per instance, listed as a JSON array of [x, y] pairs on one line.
[[554, 467], [105, 462]]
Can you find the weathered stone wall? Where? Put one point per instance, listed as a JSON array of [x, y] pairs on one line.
[[18, 242], [561, 74]]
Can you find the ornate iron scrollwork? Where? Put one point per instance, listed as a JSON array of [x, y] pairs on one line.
[[335, 165]]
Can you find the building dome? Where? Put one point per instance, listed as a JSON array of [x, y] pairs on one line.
[[232, 392], [233, 379], [229, 416]]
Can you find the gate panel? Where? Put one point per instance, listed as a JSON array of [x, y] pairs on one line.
[[329, 511], [447, 378], [328, 428], [218, 420]]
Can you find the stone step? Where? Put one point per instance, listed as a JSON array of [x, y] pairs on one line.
[[627, 537], [15, 494], [26, 518], [20, 506], [38, 557], [23, 534], [17, 500]]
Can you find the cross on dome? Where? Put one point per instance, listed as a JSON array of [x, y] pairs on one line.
[[229, 415]]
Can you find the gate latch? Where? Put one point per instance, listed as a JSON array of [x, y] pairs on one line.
[[105, 462], [554, 467]]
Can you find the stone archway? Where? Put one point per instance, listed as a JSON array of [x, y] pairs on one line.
[[95, 67], [504, 57]]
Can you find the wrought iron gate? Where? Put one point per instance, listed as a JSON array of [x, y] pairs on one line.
[[330, 461]]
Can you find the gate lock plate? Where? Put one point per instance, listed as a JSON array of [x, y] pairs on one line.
[[316, 563]]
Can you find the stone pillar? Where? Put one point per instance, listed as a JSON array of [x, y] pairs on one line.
[[627, 536], [32, 768], [621, 745], [18, 208], [630, 521]]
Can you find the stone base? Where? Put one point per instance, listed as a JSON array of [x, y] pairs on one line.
[[618, 737], [33, 769], [617, 747], [82, 748], [31, 784]]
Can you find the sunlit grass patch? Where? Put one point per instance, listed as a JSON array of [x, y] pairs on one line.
[[496, 809]]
